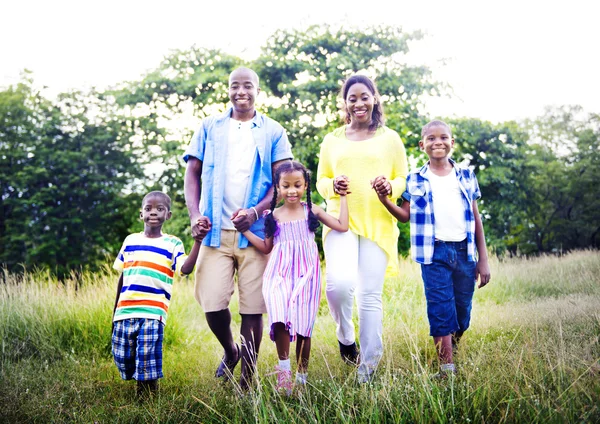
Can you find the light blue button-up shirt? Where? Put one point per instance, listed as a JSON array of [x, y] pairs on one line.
[[209, 145]]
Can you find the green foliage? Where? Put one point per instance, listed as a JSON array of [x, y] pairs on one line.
[[63, 170], [305, 69], [566, 197], [73, 171], [300, 71], [537, 179], [497, 154]]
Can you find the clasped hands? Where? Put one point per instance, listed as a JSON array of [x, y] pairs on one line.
[[341, 184], [382, 186], [201, 225], [242, 219]]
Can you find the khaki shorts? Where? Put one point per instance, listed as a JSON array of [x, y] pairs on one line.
[[215, 271]]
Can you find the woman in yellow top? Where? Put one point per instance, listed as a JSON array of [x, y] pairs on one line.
[[359, 157]]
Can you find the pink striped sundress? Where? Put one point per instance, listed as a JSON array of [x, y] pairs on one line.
[[292, 279]]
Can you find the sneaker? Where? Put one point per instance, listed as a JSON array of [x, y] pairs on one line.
[[445, 372], [284, 381], [364, 378], [349, 353], [146, 389]]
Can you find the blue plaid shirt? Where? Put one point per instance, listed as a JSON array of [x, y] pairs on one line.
[[422, 219]]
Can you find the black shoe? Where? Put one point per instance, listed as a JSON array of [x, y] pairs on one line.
[[349, 353], [145, 389], [226, 367]]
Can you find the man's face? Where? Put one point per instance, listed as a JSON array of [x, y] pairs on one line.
[[243, 89]]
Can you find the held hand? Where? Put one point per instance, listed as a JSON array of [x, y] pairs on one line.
[[382, 186], [201, 225], [204, 226], [482, 271], [341, 184], [243, 219]]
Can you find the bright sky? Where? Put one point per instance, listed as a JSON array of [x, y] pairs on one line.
[[505, 59]]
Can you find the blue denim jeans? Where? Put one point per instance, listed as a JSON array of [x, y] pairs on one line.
[[449, 286]]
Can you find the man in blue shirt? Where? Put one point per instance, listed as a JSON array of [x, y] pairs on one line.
[[230, 163]]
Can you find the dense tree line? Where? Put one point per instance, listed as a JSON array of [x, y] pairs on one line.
[[73, 170]]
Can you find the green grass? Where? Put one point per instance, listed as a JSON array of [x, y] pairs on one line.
[[531, 355]]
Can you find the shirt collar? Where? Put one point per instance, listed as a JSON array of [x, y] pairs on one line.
[[257, 121], [425, 167]]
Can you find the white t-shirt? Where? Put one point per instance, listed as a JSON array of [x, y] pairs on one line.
[[448, 209], [241, 152]]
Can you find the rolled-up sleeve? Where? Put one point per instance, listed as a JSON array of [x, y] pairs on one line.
[[281, 148], [196, 146], [476, 191]]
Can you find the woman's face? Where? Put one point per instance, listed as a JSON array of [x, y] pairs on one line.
[[359, 103]]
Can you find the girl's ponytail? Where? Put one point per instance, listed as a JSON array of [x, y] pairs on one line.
[[313, 221], [270, 223]]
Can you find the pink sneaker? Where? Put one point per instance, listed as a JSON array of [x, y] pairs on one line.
[[284, 381]]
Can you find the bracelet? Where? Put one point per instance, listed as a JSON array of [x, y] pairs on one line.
[[255, 212]]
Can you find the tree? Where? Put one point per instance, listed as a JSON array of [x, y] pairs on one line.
[[538, 179], [300, 75], [305, 71], [497, 153], [63, 171], [567, 149]]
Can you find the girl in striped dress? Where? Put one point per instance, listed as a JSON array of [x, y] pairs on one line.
[[292, 279]]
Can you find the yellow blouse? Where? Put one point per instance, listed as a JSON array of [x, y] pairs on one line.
[[361, 162]]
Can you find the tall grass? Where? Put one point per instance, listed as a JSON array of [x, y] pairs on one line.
[[531, 355]]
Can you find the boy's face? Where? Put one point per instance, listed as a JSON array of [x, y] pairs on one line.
[[154, 212], [437, 142], [243, 89]]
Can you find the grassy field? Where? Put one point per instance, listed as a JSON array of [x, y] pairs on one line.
[[532, 355]]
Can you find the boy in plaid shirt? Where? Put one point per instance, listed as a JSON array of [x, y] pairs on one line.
[[445, 230]]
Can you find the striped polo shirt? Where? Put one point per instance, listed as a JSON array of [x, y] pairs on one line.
[[148, 266]]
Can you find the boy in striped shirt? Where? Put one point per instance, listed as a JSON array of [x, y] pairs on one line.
[[148, 262]]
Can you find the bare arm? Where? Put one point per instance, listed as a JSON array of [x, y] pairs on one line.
[[191, 190], [339, 224], [482, 271], [119, 287], [401, 213], [383, 188], [190, 261], [265, 246], [243, 222]]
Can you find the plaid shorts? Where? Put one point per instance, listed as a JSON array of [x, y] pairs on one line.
[[137, 348]]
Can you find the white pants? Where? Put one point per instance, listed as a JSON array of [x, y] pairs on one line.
[[356, 264]]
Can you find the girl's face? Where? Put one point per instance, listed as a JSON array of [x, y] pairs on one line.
[[359, 103], [292, 186]]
